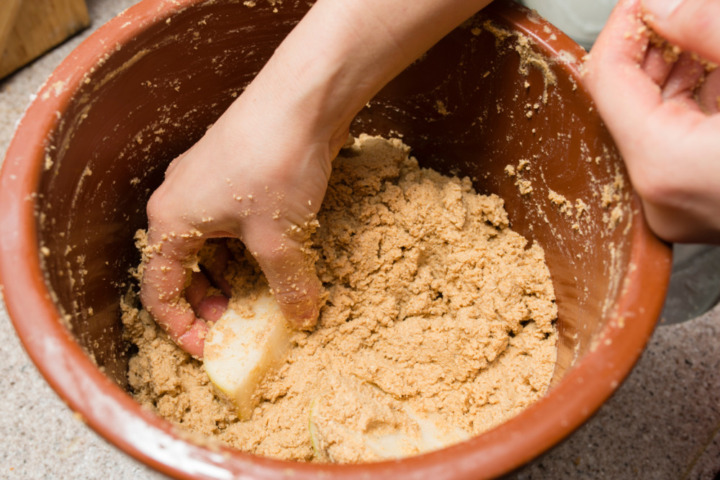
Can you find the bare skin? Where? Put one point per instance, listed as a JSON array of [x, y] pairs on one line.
[[266, 162], [667, 129]]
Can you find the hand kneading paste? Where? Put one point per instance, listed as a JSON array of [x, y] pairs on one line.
[[437, 324]]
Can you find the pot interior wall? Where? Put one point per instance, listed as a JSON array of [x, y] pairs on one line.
[[480, 101]]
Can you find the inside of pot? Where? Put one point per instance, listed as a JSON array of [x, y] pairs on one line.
[[486, 102]]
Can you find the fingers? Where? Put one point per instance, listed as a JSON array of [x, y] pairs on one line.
[[290, 273], [625, 94], [211, 308], [184, 312], [197, 290], [683, 80], [165, 276], [216, 265], [708, 96], [162, 288], [678, 80], [656, 66], [693, 25], [208, 307]]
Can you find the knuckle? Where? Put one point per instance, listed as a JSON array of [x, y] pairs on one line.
[[658, 187], [156, 204]]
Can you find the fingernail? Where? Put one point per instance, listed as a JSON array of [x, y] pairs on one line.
[[661, 9]]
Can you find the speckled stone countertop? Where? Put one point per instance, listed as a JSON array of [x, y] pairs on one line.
[[663, 423]]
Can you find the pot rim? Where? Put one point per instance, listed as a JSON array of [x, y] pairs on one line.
[[113, 414]]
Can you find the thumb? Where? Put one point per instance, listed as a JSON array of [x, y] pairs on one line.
[[693, 25], [290, 272]]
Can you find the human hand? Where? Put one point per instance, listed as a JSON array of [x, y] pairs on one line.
[[258, 174], [664, 121]]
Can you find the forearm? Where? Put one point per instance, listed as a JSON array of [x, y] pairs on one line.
[[344, 51]]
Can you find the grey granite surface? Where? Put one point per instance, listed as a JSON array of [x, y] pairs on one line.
[[663, 423]]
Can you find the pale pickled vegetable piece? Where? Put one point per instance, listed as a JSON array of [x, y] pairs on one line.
[[242, 349], [406, 432], [390, 446]]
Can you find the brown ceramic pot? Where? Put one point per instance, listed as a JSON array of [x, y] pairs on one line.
[[502, 88]]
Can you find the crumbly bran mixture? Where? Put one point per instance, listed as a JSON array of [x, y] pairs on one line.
[[433, 306]]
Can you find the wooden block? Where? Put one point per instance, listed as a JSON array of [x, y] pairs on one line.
[[8, 14], [29, 28]]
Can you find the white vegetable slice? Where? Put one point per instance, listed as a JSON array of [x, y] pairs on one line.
[[343, 442], [242, 349], [434, 435]]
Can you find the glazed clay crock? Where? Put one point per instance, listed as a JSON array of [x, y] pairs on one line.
[[502, 88]]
